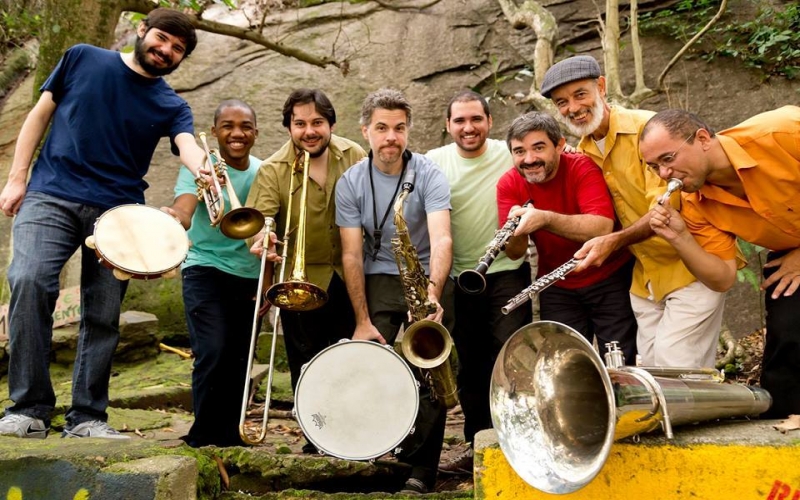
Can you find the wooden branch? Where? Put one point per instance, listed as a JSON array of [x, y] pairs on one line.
[[145, 6], [722, 7], [388, 5]]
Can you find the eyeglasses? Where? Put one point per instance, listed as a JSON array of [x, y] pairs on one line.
[[667, 159]]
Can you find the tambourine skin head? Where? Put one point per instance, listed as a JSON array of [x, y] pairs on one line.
[[90, 242]]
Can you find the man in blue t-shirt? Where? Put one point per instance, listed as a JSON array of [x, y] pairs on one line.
[[107, 112], [220, 282], [365, 197]]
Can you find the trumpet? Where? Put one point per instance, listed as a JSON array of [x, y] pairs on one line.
[[297, 293], [473, 281], [537, 286], [262, 432], [239, 222]]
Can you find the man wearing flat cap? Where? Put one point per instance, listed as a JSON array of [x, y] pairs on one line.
[[679, 318]]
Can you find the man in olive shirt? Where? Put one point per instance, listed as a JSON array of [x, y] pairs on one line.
[[309, 117]]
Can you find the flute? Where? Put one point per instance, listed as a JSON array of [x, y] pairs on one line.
[[537, 286]]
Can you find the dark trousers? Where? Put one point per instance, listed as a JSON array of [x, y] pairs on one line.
[[307, 333], [480, 332], [387, 311], [602, 310], [219, 312], [779, 372]]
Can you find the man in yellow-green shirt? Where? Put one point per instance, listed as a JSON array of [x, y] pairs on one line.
[[679, 317], [309, 117]]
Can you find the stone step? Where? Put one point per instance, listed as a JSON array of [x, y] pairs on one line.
[[725, 459]]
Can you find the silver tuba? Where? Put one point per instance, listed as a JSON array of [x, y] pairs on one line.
[[557, 409]]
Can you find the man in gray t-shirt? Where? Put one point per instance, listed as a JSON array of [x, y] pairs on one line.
[[365, 197]]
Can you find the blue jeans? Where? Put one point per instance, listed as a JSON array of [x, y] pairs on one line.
[[47, 231], [219, 312]]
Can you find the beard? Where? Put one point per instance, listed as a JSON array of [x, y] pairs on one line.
[[536, 177], [140, 53], [317, 151], [589, 128]]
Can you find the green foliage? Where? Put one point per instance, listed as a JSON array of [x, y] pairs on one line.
[[20, 20], [769, 43], [196, 5], [746, 274]]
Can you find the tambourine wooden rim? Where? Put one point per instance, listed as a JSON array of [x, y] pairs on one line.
[[356, 400], [139, 241]]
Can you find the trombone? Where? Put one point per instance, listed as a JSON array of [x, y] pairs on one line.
[[268, 224], [239, 222], [297, 293]]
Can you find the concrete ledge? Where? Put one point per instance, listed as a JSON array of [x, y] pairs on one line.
[[730, 459], [95, 469]]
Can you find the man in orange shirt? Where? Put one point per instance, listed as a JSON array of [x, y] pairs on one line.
[[742, 182]]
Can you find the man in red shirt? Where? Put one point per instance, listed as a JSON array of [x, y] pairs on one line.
[[570, 204]]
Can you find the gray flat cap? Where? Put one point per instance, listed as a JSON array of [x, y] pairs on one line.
[[569, 70]]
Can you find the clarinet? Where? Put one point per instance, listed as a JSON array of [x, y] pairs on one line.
[[473, 281], [537, 286]]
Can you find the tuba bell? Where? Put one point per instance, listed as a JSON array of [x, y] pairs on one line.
[[239, 222], [557, 409]]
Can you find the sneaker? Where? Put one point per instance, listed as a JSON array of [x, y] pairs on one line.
[[16, 424], [93, 428], [461, 464], [414, 487]]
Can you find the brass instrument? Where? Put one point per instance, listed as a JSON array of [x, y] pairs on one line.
[[269, 222], [297, 293], [237, 223], [540, 284], [473, 281], [426, 344], [557, 409], [672, 186]]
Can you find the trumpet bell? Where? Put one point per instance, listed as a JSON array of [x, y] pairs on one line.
[[241, 223], [297, 296]]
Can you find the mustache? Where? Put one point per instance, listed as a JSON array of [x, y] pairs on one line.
[[165, 58], [536, 164]]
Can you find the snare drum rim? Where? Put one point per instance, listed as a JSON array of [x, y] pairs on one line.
[[322, 448], [138, 274]]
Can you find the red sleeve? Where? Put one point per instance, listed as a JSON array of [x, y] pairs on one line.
[[510, 192], [591, 189]]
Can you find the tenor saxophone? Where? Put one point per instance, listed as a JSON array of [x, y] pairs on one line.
[[426, 344]]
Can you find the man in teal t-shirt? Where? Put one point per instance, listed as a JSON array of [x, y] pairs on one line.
[[473, 163], [220, 281]]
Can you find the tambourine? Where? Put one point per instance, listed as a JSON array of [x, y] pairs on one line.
[[140, 242]]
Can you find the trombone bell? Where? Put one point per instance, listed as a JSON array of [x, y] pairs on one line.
[[297, 296]]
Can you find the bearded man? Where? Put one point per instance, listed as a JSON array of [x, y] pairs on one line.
[[679, 318]]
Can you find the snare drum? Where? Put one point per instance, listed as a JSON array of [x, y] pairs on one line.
[[356, 400], [137, 241]]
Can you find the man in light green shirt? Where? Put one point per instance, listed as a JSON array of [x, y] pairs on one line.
[[473, 163]]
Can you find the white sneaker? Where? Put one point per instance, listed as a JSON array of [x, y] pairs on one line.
[[16, 424], [95, 429]]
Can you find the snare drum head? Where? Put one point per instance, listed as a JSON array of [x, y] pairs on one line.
[[356, 400], [140, 240]]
